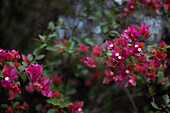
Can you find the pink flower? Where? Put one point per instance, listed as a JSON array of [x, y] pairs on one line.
[[58, 80], [3, 55], [141, 69], [83, 48], [110, 45], [90, 62], [160, 56], [131, 33], [34, 71], [136, 49], [25, 59], [143, 29], [165, 80], [25, 106], [131, 81], [8, 110], [13, 55], [111, 63], [97, 50], [30, 88], [118, 56], [13, 92], [77, 107], [109, 76]]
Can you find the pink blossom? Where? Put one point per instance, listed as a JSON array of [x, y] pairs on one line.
[[165, 80], [136, 49], [34, 71], [77, 107], [90, 62], [25, 106], [8, 110], [58, 79], [30, 88], [3, 55], [25, 59], [83, 48], [97, 50], [143, 29], [110, 45], [13, 92], [111, 63], [131, 81], [109, 76], [13, 55]]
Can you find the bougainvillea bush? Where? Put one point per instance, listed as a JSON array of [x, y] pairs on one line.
[[83, 73]]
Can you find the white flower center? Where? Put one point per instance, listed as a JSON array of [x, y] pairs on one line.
[[0, 50], [136, 45], [125, 31], [111, 45], [6, 78], [79, 109], [119, 57], [139, 49], [127, 71], [131, 6], [117, 54]]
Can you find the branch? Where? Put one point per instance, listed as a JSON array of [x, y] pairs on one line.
[[131, 99]]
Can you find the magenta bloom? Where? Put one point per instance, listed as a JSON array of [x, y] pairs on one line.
[[34, 71], [110, 45], [131, 33], [118, 56], [136, 49], [9, 110], [25, 106], [77, 107], [3, 55], [97, 50], [13, 92], [131, 81], [58, 80], [30, 88], [9, 75], [83, 48], [143, 29], [25, 59], [131, 6], [13, 55], [90, 62], [109, 76]]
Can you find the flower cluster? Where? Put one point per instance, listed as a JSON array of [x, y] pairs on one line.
[[9, 79], [156, 5], [129, 57]]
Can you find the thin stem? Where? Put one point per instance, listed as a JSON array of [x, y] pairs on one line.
[[131, 99]]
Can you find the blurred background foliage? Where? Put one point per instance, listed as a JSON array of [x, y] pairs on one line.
[[89, 22]]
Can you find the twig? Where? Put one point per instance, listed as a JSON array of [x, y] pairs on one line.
[[131, 99]]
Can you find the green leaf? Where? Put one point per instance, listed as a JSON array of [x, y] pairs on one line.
[[62, 46], [35, 51], [24, 76], [1, 74], [39, 57], [54, 34], [30, 57], [42, 37], [166, 99], [160, 76], [69, 43], [3, 106], [109, 53], [155, 105], [51, 48], [21, 69], [52, 111], [151, 47], [105, 28], [113, 33], [148, 55], [42, 46], [51, 25], [24, 64], [61, 21]]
